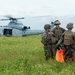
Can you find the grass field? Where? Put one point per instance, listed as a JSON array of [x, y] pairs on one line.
[[25, 56]]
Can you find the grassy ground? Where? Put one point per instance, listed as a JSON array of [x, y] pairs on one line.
[[25, 56]]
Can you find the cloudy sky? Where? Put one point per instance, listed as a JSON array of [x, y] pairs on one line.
[[37, 7], [31, 8]]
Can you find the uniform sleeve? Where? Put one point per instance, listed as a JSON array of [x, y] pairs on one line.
[[48, 37], [43, 40]]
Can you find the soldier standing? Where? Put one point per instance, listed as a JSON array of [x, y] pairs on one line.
[[47, 37], [57, 32], [67, 40]]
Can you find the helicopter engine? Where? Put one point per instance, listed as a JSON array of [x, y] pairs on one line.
[[25, 27]]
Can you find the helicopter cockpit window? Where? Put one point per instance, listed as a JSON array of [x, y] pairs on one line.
[[12, 23]]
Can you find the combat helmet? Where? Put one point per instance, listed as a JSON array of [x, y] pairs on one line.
[[69, 25], [47, 26], [57, 22]]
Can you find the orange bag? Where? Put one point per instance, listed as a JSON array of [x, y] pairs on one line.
[[74, 57], [59, 56]]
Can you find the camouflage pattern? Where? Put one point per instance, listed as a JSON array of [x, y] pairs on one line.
[[48, 45], [62, 39], [48, 52], [68, 37], [68, 48], [58, 32], [68, 53]]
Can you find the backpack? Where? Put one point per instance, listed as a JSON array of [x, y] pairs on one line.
[[68, 39]]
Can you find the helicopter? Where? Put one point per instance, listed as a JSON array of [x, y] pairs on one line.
[[16, 28], [14, 23]]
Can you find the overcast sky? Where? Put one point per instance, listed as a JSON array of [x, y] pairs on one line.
[[28, 8], [37, 7]]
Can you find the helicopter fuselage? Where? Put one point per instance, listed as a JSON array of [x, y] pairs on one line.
[[16, 25], [16, 28]]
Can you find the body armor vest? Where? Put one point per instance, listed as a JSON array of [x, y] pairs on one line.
[[68, 39], [58, 33]]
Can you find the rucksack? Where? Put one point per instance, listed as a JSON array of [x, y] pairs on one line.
[[68, 39]]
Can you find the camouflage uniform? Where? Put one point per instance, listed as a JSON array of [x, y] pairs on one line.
[[48, 40], [67, 40], [57, 32]]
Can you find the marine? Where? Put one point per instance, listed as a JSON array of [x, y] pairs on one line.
[[67, 39], [48, 40], [58, 31]]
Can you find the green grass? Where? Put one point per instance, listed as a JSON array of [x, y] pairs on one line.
[[25, 56]]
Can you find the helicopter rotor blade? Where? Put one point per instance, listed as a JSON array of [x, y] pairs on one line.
[[20, 18], [11, 18], [4, 19]]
